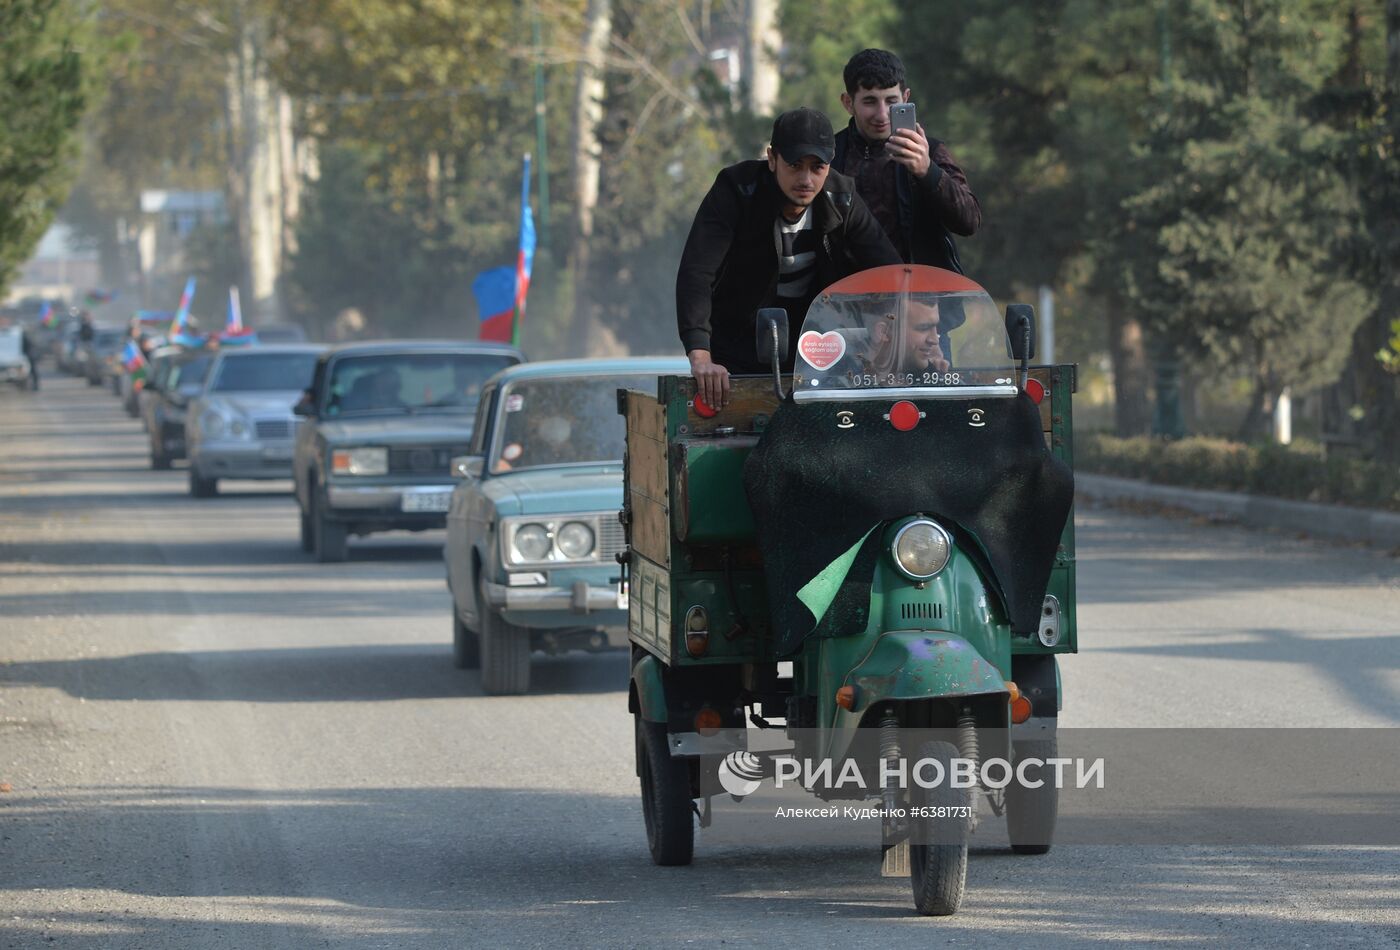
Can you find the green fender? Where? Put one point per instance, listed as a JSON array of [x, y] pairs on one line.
[[649, 689], [923, 665]]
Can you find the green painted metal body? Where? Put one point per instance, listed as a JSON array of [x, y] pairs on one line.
[[649, 688], [942, 641]]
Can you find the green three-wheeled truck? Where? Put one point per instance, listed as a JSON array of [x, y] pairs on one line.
[[872, 551]]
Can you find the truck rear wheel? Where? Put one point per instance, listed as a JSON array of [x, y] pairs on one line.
[[1031, 812], [938, 866], [666, 802]]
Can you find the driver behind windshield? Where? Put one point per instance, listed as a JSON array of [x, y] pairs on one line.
[[916, 349]]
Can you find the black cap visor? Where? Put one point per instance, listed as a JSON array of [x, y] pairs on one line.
[[795, 153]]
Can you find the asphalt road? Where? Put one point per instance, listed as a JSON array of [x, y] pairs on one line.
[[207, 740]]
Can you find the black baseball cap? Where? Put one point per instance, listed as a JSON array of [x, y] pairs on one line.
[[802, 132]]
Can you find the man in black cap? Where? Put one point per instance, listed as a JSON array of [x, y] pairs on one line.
[[769, 234]]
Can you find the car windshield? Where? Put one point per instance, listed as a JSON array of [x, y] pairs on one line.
[[901, 327], [107, 341], [411, 382], [190, 372], [567, 421], [264, 372]]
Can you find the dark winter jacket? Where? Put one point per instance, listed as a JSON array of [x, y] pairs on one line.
[[931, 209], [729, 268]]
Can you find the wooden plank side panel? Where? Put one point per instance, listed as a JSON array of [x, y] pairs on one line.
[[750, 397], [647, 478]]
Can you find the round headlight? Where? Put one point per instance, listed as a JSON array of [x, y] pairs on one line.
[[575, 539], [532, 541], [921, 549], [213, 424]]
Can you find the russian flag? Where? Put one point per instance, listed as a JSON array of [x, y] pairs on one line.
[[500, 292]]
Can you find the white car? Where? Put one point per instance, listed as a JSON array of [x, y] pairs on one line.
[[241, 425]]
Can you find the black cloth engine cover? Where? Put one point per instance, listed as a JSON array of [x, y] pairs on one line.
[[815, 489]]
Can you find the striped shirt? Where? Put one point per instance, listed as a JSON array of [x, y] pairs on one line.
[[797, 254]]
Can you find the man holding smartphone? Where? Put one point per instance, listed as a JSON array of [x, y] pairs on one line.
[[910, 182], [771, 233]]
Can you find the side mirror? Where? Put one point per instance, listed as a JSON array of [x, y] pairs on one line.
[[150, 386], [305, 406], [1020, 331], [468, 466], [771, 334]]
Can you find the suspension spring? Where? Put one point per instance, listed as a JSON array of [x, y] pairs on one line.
[[967, 739], [889, 752]]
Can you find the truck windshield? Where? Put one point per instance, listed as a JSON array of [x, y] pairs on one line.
[[902, 327]]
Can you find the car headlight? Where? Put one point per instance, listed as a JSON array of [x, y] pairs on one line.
[[921, 549], [367, 460], [213, 424], [575, 539], [532, 542]]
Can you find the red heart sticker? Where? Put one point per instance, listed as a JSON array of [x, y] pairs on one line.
[[821, 350]]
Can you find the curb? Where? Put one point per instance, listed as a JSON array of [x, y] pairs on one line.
[[1380, 528]]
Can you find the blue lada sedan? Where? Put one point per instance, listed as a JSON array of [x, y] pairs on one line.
[[532, 531]]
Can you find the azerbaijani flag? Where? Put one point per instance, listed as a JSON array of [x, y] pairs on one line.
[[182, 315], [500, 292], [132, 357], [46, 315]]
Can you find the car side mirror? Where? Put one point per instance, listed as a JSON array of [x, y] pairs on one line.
[[150, 386], [1020, 331], [305, 406], [468, 466]]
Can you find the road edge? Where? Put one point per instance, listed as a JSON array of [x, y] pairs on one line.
[[1378, 528]]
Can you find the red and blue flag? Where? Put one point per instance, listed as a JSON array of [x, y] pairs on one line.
[[501, 291]]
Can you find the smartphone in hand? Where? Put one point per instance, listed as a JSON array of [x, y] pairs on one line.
[[902, 117]]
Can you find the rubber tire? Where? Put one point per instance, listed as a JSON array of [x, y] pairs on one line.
[[329, 542], [308, 532], [94, 382], [505, 651], [1031, 812], [466, 646], [160, 462], [666, 801], [201, 487], [938, 872]]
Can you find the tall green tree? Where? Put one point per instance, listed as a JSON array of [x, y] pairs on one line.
[[1236, 246], [46, 55]]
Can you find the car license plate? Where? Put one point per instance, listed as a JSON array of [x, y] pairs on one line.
[[277, 454], [427, 501], [622, 596]]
